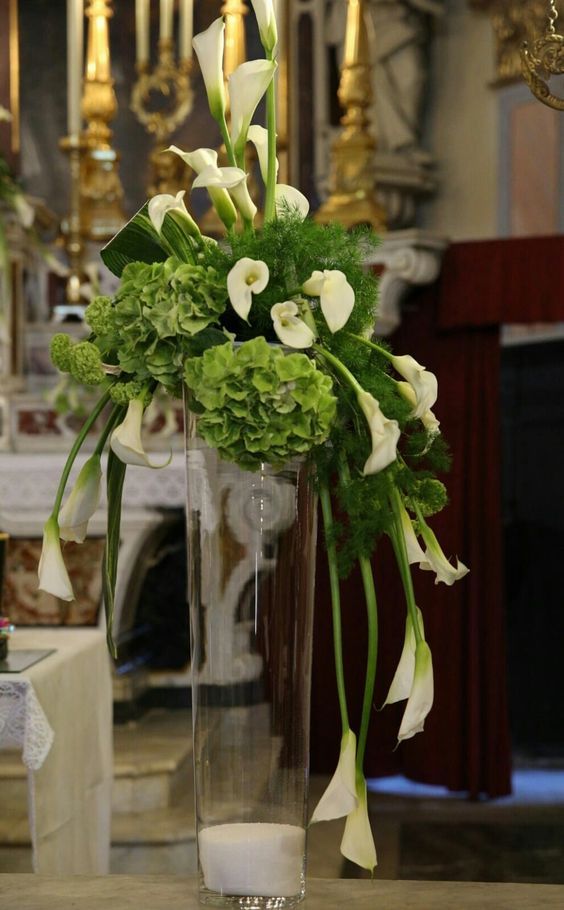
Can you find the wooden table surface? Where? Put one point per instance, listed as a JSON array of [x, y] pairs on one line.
[[161, 892]]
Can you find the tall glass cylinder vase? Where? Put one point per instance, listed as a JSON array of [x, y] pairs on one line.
[[251, 548]]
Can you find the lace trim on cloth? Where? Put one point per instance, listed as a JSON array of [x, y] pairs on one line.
[[23, 723]]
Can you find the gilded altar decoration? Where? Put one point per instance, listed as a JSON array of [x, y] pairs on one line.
[[543, 59], [268, 336]]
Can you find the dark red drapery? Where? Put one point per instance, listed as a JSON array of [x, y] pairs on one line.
[[453, 328]]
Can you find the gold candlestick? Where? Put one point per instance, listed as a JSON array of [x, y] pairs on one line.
[[353, 196], [73, 146]]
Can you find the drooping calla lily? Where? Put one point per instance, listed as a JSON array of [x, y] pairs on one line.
[[402, 682], [384, 432], [290, 329], [358, 843], [289, 199], [53, 575], [258, 135], [428, 419], [436, 561], [243, 202], [247, 85], [266, 20], [199, 160], [209, 46], [82, 502], [340, 796], [163, 204], [415, 553], [423, 382], [336, 296], [233, 179], [125, 440], [420, 699], [247, 277]]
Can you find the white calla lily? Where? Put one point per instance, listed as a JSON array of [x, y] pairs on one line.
[[423, 382], [247, 85], [339, 799], [258, 135], [435, 560], [290, 329], [125, 440], [164, 204], [336, 296], [219, 177], [385, 434], [420, 699], [247, 277], [53, 575], [402, 682], [209, 47], [289, 200], [415, 552], [199, 160], [243, 202], [82, 502], [428, 419], [358, 843], [266, 20]]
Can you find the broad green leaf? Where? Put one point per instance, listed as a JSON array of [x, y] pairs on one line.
[[136, 242], [115, 480]]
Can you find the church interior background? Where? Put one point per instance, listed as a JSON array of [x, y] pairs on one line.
[[461, 170]]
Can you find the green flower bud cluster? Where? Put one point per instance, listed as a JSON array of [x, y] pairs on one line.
[[86, 363], [430, 495], [60, 351], [124, 392], [99, 315], [259, 403]]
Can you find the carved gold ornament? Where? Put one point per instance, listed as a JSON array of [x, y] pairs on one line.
[[544, 59]]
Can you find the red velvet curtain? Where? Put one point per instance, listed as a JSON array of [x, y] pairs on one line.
[[453, 328]]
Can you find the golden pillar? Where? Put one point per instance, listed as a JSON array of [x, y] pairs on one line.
[[352, 200]]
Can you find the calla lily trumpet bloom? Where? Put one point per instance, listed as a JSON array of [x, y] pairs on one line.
[[402, 682], [164, 204], [266, 20], [290, 329], [436, 561], [247, 85], [258, 135], [423, 382], [209, 46], [340, 796], [233, 179], [428, 419], [384, 432], [53, 575], [336, 296], [289, 199], [420, 699], [415, 553], [247, 277], [199, 160], [125, 440], [82, 502], [358, 843]]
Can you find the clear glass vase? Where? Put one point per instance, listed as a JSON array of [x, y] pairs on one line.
[[251, 543]]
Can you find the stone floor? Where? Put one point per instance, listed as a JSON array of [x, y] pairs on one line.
[[420, 832]]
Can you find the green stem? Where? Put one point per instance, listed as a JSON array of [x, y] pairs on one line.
[[270, 200], [339, 367], [227, 140], [117, 411], [400, 550], [373, 345], [327, 513], [85, 429]]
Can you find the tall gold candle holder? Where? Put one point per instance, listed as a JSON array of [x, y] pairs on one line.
[[353, 195], [161, 100]]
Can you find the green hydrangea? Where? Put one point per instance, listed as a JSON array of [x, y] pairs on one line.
[[196, 297], [60, 351], [99, 315], [86, 363], [260, 405]]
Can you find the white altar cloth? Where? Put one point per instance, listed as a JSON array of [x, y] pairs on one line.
[[59, 712]]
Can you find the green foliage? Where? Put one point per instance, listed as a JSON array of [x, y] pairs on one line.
[[136, 242], [260, 404]]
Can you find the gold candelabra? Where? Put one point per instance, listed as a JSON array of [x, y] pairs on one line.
[[352, 200], [544, 59], [161, 100]]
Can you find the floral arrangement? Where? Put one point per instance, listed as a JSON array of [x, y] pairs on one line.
[[270, 330]]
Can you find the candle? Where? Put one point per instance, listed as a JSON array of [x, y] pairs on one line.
[[166, 19], [142, 30], [253, 858], [75, 53], [186, 29]]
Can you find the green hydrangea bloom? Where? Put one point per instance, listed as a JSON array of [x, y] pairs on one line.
[[260, 405], [60, 351], [86, 363], [99, 315], [195, 297]]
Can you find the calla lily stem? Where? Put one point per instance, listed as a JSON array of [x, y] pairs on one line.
[[371, 344], [117, 412], [340, 368], [222, 122], [327, 512], [400, 550], [269, 203], [77, 445]]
